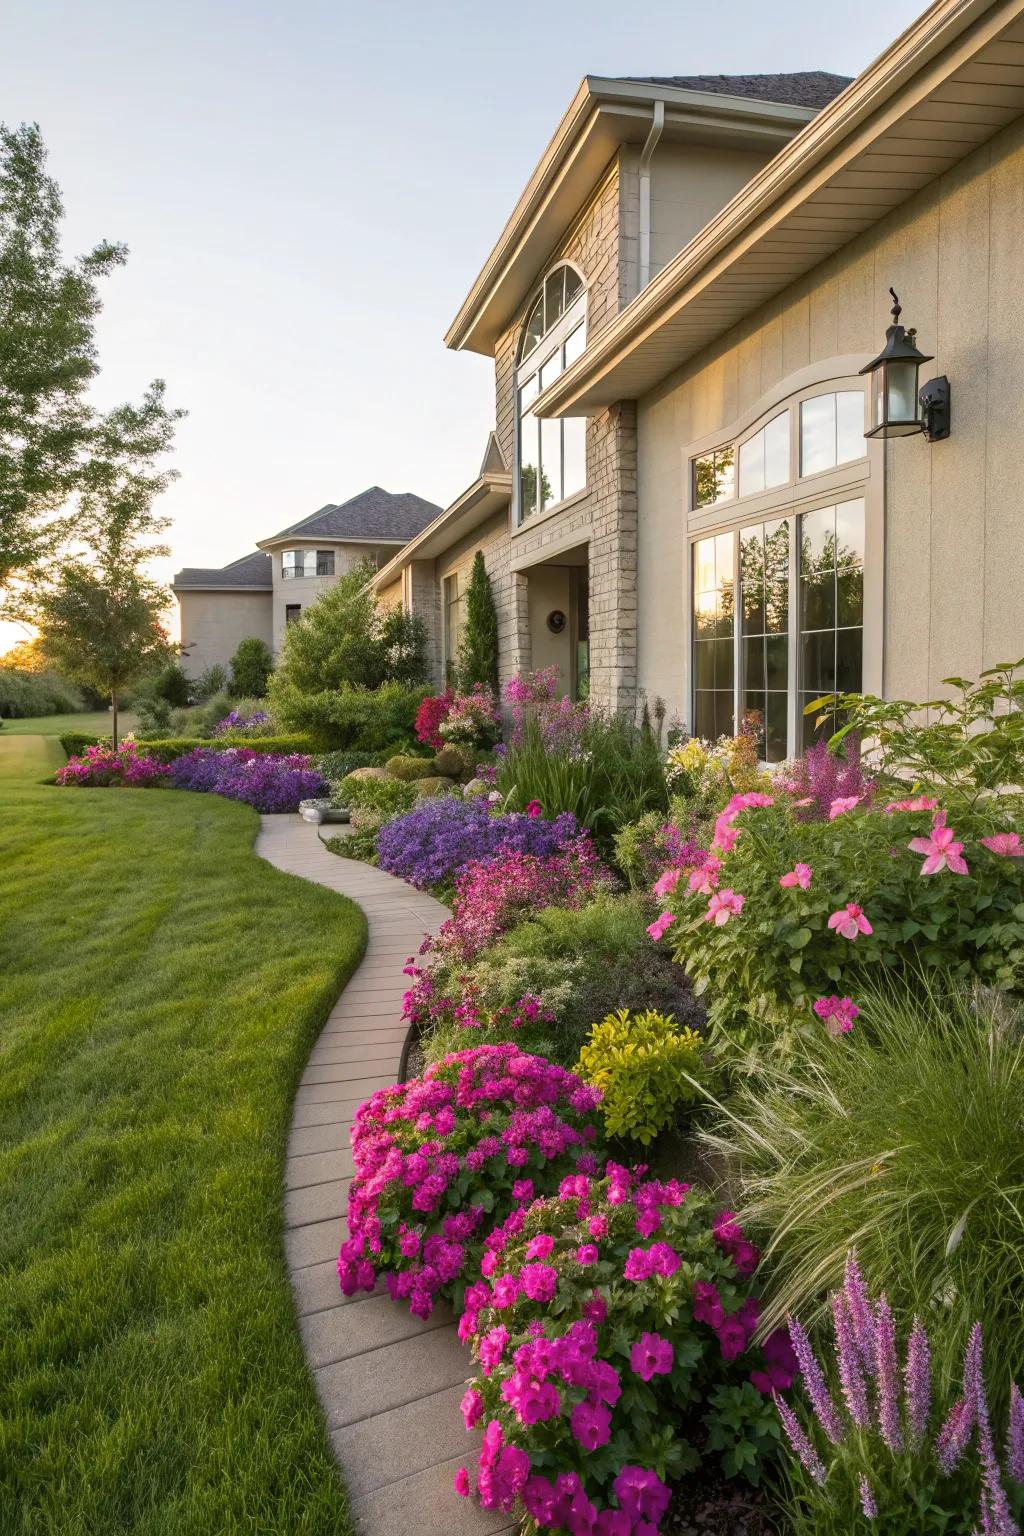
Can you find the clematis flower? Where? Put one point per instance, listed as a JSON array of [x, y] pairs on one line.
[[658, 928], [651, 1356], [940, 849], [799, 875], [849, 921], [843, 804], [666, 882], [1006, 844], [722, 906]]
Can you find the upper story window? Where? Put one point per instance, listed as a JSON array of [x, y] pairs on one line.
[[824, 432], [551, 455], [307, 562]]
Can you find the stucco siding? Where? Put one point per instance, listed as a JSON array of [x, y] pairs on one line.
[[954, 511], [302, 591], [214, 623]]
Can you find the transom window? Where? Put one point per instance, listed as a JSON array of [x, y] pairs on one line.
[[307, 562], [825, 432], [551, 455]]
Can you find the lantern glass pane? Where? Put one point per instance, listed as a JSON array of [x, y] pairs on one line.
[[901, 391]]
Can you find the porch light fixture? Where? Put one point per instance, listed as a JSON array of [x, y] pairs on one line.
[[898, 407]]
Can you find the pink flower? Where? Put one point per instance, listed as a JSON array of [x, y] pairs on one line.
[[586, 1254], [1006, 844], [920, 803], [940, 849], [658, 927], [837, 1014], [849, 921], [461, 1484], [799, 875], [534, 808], [591, 1424], [651, 1356], [722, 906], [842, 805], [666, 882], [705, 879], [472, 1406], [539, 1247]]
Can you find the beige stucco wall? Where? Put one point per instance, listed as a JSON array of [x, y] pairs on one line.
[[690, 183], [305, 590], [213, 624], [954, 511]]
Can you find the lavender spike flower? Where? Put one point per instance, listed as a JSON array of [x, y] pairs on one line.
[[867, 1500], [995, 1506], [849, 1361], [887, 1372], [917, 1380], [856, 1293], [814, 1382], [952, 1439], [805, 1452], [1015, 1436]]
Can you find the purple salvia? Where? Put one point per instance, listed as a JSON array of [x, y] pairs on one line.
[[994, 1503], [851, 1375], [856, 1293], [952, 1439], [805, 1452], [814, 1383], [917, 1381], [1015, 1436], [887, 1376], [867, 1500]]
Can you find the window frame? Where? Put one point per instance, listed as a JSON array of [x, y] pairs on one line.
[[450, 638], [528, 368], [292, 613], [307, 554]]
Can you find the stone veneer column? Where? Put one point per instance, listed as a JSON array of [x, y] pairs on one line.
[[613, 539], [420, 595]]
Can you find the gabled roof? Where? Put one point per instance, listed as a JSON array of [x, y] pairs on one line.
[[375, 514], [807, 88], [249, 573]]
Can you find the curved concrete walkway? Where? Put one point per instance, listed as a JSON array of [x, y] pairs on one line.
[[388, 1383]]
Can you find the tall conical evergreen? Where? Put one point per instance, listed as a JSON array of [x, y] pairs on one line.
[[478, 648]]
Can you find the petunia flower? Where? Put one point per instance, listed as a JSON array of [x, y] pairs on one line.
[[849, 921], [658, 927], [919, 803], [940, 849], [651, 1356], [799, 875], [722, 906]]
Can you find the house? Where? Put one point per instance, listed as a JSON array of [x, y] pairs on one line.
[[262, 592], [681, 499]]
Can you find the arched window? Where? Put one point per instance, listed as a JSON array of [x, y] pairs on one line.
[[551, 455]]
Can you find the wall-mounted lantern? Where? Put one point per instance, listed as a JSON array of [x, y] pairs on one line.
[[898, 407]]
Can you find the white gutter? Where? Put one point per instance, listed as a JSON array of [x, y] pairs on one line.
[[657, 127]]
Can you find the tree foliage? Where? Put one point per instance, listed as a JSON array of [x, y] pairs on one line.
[[478, 648], [251, 666]]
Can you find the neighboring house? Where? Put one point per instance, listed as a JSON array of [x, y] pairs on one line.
[[263, 592], [679, 500]]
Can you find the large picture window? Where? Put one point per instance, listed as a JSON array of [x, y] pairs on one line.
[[714, 636], [453, 602], [831, 566], [551, 454]]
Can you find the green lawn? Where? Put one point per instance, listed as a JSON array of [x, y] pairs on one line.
[[90, 723], [160, 987]]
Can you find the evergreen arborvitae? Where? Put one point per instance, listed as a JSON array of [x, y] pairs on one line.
[[478, 648]]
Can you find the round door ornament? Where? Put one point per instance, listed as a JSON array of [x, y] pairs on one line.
[[557, 621]]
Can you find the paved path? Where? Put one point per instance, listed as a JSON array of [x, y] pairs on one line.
[[388, 1383]]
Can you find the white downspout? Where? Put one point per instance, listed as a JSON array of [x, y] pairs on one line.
[[646, 156]]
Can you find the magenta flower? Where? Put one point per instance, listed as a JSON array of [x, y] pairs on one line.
[[539, 1247], [472, 1406], [799, 875], [586, 1254], [658, 928], [641, 1494], [887, 1376], [707, 1304], [461, 1484], [533, 808], [1006, 844], [940, 849], [849, 1361], [843, 804], [666, 882], [591, 1423], [849, 921], [651, 1356], [917, 1382], [722, 906], [837, 1014]]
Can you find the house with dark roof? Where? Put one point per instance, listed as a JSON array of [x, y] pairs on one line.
[[262, 592], [722, 473]]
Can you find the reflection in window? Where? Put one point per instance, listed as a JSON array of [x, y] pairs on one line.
[[764, 598], [764, 458], [831, 573], [831, 430], [307, 562], [713, 475], [714, 628], [292, 613], [551, 453], [453, 600]]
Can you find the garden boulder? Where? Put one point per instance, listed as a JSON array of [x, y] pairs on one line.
[[409, 768], [437, 784]]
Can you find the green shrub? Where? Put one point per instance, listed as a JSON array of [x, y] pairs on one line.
[[25, 695], [391, 797], [154, 717], [251, 666], [903, 1140], [336, 766], [75, 742], [408, 768], [359, 719], [433, 785], [210, 681], [169, 684], [478, 647], [646, 1068]]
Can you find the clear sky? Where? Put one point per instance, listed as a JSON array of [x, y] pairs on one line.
[[308, 190]]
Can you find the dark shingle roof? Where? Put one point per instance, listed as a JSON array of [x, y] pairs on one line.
[[255, 570], [373, 514], [808, 88]]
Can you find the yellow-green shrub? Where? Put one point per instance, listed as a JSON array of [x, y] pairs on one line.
[[642, 1063]]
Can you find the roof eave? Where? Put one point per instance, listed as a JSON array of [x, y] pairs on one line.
[[291, 534], [479, 501]]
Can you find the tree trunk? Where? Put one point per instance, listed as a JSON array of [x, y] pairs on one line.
[[113, 700]]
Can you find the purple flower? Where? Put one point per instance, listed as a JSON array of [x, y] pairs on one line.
[[814, 1381], [1015, 1436], [917, 1380], [851, 1375], [856, 1294], [591, 1424], [804, 1450], [887, 1374], [867, 1500], [995, 1508], [953, 1437], [433, 842]]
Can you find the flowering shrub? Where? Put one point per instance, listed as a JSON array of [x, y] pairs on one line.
[[705, 773], [644, 1065], [870, 1452], [534, 698], [645, 847], [430, 716], [235, 722], [603, 1355], [434, 841], [102, 766], [472, 719], [822, 778], [784, 916], [259, 779], [439, 1158]]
